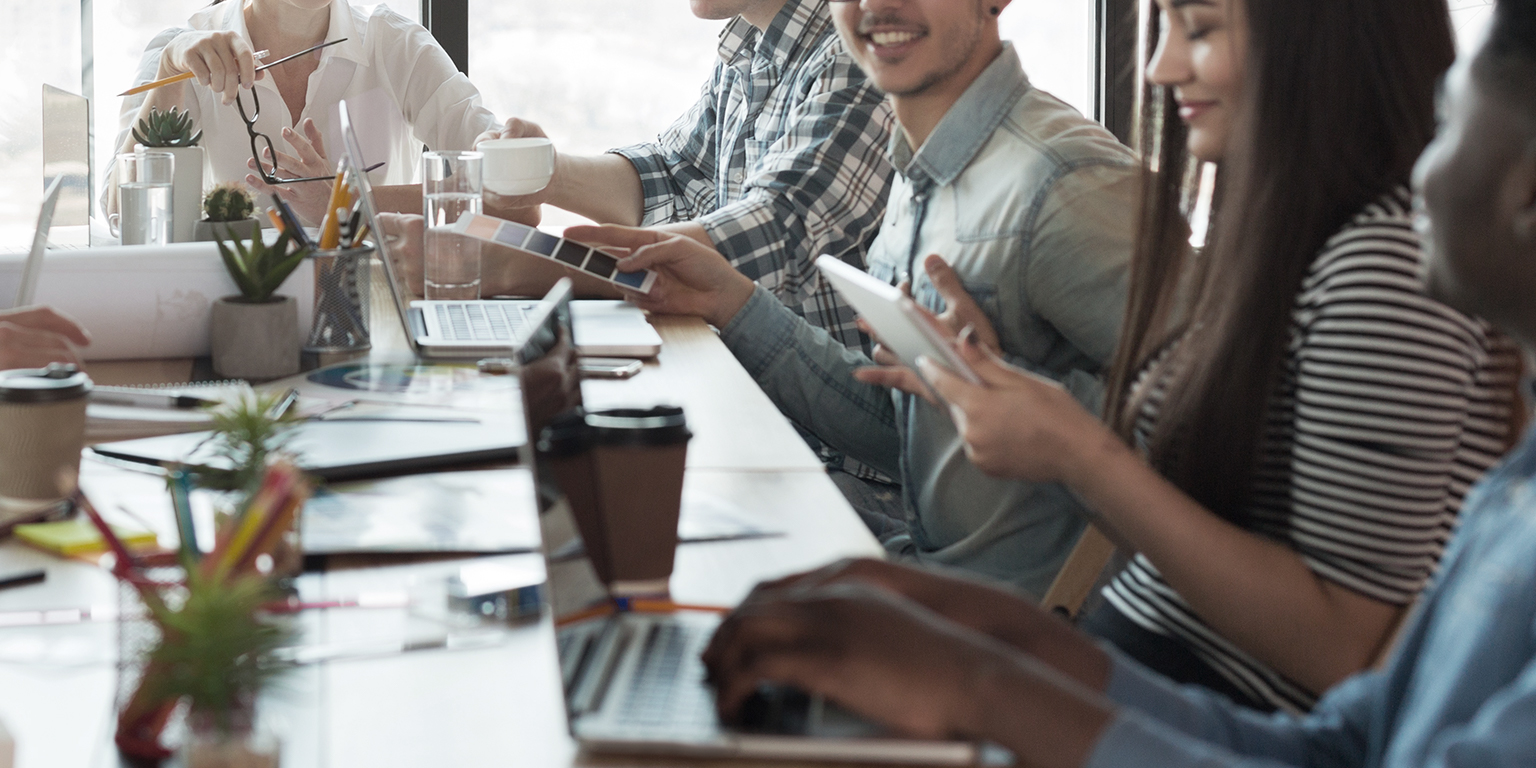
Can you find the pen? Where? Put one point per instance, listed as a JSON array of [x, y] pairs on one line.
[[281, 407], [22, 579], [146, 399]]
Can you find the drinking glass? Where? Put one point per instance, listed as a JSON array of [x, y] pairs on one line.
[[450, 187], [144, 198]]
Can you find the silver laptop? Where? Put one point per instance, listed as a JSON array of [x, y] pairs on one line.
[[488, 327], [27, 291], [633, 682]]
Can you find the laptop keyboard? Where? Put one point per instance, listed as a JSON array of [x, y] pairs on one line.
[[482, 322], [667, 687]]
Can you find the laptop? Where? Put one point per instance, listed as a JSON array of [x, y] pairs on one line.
[[633, 682], [66, 142], [489, 327], [26, 292]]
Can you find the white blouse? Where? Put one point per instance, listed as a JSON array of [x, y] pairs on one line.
[[401, 88]]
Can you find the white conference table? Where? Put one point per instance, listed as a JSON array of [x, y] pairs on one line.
[[491, 706]]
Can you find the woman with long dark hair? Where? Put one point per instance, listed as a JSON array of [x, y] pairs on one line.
[[1297, 422]]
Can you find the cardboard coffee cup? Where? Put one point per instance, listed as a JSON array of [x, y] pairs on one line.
[[565, 453], [621, 473], [640, 456], [42, 429]]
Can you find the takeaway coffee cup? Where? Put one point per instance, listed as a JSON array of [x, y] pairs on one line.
[[621, 472], [565, 454], [640, 456], [42, 429], [517, 166]]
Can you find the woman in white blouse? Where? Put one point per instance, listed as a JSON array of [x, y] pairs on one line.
[[401, 88]]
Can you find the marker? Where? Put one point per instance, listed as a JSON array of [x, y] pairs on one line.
[[147, 399], [22, 579]]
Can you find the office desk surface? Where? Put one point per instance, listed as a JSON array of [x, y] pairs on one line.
[[498, 705], [735, 425]]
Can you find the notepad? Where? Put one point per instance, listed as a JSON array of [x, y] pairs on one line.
[[124, 422], [79, 537]]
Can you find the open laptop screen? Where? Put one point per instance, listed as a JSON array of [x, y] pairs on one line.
[[354, 165]]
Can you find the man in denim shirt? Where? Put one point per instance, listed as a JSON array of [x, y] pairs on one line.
[[945, 657], [1033, 209]]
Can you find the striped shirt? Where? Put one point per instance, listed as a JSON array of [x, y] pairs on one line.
[[782, 159], [1388, 407]]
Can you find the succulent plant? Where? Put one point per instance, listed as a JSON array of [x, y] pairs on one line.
[[228, 202], [260, 269], [172, 128]]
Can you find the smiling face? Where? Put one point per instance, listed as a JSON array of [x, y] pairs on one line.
[[911, 48], [1475, 201], [1201, 55]]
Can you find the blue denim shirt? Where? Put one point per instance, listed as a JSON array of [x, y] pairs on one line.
[[1035, 208], [1460, 690]]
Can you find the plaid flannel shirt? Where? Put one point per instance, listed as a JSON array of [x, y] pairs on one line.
[[782, 159]]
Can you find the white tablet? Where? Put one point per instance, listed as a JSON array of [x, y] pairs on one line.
[[895, 317]]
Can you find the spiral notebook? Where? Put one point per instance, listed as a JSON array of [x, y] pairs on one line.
[[126, 422]]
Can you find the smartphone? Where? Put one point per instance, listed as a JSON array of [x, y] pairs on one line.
[[609, 367]]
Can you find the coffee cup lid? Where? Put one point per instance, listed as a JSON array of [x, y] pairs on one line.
[[43, 385], [662, 425]]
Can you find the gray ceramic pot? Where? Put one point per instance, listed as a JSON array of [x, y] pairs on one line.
[[255, 341], [225, 230]]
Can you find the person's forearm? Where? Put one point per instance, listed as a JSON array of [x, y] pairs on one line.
[[999, 612], [1257, 593], [1044, 718], [604, 188]]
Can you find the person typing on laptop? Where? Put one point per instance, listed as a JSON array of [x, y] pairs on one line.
[[1031, 210], [32, 337]]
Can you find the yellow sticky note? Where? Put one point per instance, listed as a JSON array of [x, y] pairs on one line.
[[79, 537]]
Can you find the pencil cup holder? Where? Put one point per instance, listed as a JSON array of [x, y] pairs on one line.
[[341, 300]]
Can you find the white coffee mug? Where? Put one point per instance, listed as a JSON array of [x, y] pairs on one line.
[[517, 166]]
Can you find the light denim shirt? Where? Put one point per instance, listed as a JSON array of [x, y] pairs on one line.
[[1035, 208], [1460, 690]]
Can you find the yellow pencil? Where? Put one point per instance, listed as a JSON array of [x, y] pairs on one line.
[[257, 55]]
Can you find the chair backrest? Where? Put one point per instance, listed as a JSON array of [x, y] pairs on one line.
[[1074, 582]]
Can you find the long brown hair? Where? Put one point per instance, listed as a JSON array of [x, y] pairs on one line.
[[1338, 102]]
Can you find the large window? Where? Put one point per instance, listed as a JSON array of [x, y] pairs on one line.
[[594, 73], [598, 74]]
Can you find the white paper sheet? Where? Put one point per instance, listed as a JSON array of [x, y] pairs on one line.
[[144, 301]]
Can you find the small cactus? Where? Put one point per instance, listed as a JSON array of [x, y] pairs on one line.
[[228, 202], [172, 128]]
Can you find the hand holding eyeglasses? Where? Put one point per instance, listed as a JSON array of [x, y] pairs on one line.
[[309, 163]]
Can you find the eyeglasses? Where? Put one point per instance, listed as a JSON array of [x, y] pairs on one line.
[[271, 176]]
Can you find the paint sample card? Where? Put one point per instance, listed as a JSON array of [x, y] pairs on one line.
[[569, 253]]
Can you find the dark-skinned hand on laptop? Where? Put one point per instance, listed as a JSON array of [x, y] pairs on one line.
[[32, 337]]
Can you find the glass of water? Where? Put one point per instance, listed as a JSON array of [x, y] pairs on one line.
[[450, 187], [144, 198]]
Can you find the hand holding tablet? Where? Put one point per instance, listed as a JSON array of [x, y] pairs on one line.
[[895, 318]]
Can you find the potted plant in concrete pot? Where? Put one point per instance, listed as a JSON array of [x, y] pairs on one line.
[[173, 131], [256, 334], [227, 215]]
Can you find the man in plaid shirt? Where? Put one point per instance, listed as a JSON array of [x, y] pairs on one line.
[[781, 160]]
